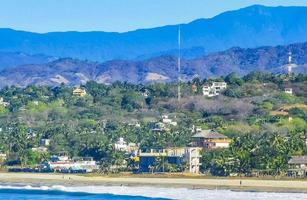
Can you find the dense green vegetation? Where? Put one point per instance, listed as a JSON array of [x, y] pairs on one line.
[[89, 126]]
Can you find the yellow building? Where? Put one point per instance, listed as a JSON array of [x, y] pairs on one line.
[[79, 92]]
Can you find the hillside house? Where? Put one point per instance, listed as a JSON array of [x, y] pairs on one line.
[[166, 120], [145, 93], [80, 92], [40, 149], [132, 122], [120, 145], [3, 103], [214, 89], [45, 142], [194, 88], [2, 157], [209, 139], [289, 91]]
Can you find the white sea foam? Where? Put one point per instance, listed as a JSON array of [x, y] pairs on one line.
[[171, 193]]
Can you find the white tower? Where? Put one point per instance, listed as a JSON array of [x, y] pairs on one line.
[[290, 63]]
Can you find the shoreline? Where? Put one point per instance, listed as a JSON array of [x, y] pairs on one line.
[[72, 180]]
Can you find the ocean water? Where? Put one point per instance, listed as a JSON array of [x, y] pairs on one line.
[[24, 194], [134, 193]]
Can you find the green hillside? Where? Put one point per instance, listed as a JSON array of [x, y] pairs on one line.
[[90, 125]]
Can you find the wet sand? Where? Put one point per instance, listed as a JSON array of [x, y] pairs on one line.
[[194, 183]]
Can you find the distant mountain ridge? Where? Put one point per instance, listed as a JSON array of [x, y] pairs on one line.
[[249, 27], [13, 59], [158, 69]]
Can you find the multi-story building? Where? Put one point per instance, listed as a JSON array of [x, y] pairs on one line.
[[190, 155], [209, 139], [176, 156]]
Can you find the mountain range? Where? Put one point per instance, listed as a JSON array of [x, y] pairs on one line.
[[241, 41], [249, 27], [162, 69]]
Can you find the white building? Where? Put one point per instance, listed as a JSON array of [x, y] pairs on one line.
[[219, 86], [2, 157], [167, 120], [40, 149], [214, 89], [133, 148], [120, 145], [145, 93], [45, 142], [289, 91], [191, 155], [64, 163], [3, 103]]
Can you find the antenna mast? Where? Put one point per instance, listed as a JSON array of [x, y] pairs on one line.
[[179, 64], [290, 63]]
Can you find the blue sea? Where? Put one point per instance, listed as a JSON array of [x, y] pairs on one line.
[[18, 194], [58, 192]]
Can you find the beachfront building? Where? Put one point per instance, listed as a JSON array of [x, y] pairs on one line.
[[210, 139], [298, 166], [65, 164], [156, 160], [80, 92], [189, 155], [214, 89]]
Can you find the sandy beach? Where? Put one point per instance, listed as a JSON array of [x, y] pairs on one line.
[[209, 183]]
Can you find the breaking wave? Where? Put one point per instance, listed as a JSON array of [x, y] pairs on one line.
[[153, 192]]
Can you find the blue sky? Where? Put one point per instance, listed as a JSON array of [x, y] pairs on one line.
[[115, 15]]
